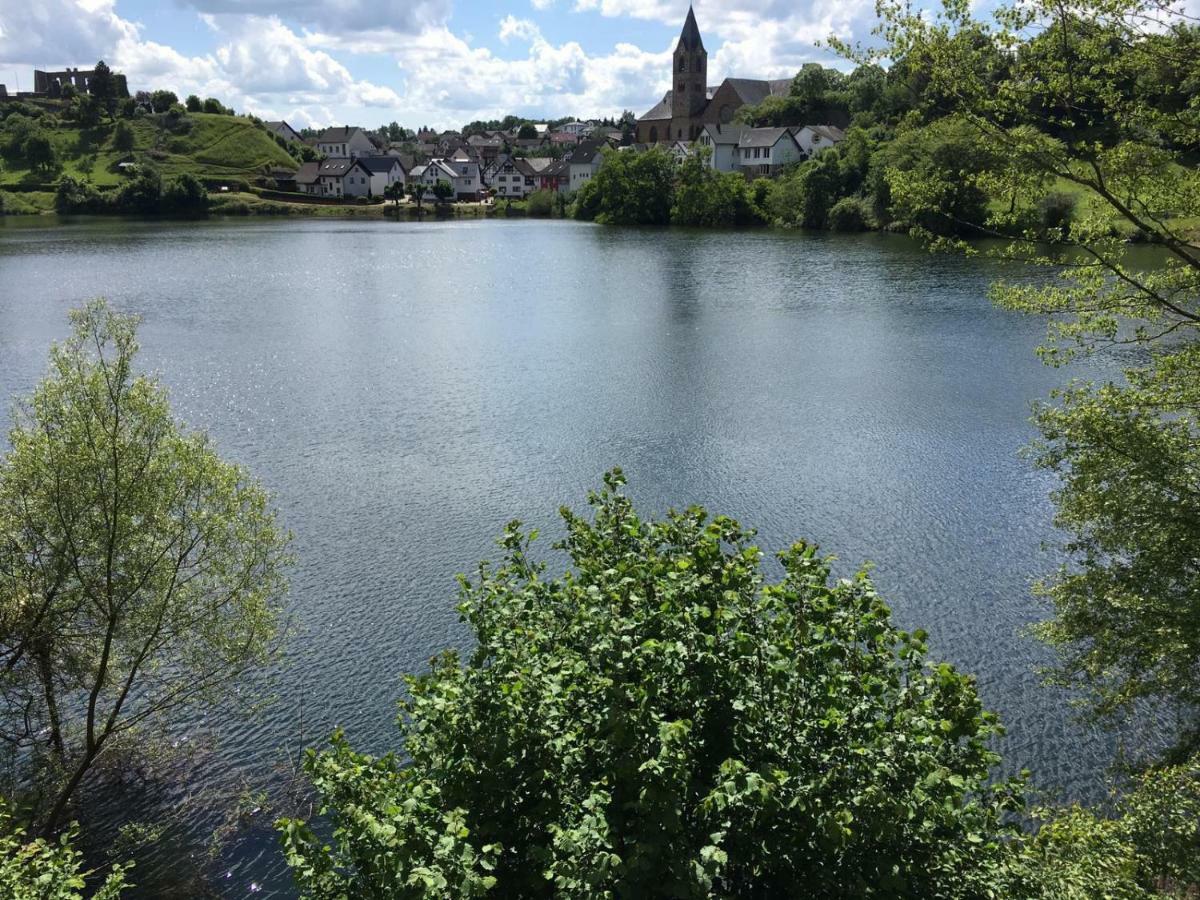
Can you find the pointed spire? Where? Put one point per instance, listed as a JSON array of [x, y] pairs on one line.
[[689, 38]]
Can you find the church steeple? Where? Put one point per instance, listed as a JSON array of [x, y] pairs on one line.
[[689, 38], [690, 62]]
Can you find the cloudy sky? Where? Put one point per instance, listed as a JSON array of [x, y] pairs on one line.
[[418, 62]]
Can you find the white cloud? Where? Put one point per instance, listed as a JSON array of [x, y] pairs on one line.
[[447, 81], [259, 64], [340, 16], [523, 29]]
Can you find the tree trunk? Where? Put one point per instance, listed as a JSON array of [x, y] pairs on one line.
[[46, 673]]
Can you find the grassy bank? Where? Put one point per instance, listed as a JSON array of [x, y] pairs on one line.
[[209, 146]]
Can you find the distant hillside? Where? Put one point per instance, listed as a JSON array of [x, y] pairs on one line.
[[208, 146]]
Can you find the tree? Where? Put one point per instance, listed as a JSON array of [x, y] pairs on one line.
[[1091, 101], [103, 86], [192, 103], [706, 197], [395, 192], [443, 191], [213, 105], [661, 721], [140, 575], [630, 189], [47, 870], [161, 101], [418, 193], [123, 138], [39, 151], [527, 132]]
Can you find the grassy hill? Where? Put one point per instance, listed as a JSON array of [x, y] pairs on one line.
[[214, 146]]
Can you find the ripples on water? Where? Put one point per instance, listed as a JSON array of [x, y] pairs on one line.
[[405, 390]]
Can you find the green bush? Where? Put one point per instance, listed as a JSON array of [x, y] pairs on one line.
[[540, 204], [664, 722], [850, 214], [48, 870]]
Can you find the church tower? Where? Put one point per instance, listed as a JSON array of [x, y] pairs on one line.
[[689, 81]]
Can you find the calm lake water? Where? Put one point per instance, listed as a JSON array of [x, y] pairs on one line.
[[405, 390]]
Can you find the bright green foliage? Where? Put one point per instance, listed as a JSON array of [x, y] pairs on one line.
[[805, 197], [934, 174], [662, 721], [140, 575], [629, 189], [703, 196], [443, 191], [48, 870], [1092, 100]]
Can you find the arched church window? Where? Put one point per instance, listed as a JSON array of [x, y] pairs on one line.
[[683, 64], [698, 64], [654, 134]]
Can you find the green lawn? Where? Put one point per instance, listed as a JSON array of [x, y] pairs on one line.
[[216, 146]]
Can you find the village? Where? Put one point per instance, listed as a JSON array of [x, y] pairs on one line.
[[485, 166]]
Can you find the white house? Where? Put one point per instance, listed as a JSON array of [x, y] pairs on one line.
[[583, 164], [461, 174], [467, 179], [722, 140], [815, 138], [576, 128], [680, 151], [385, 171], [764, 151], [284, 130], [344, 142], [308, 178], [343, 178], [515, 178]]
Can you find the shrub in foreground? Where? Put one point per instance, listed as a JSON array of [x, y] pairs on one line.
[[662, 721]]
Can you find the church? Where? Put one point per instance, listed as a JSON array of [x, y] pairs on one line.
[[692, 103]]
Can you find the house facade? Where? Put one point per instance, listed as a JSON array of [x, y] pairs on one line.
[[722, 142], [764, 151], [385, 171], [344, 142], [815, 138], [341, 177], [283, 130], [583, 164]]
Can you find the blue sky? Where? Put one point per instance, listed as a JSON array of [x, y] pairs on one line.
[[418, 62]]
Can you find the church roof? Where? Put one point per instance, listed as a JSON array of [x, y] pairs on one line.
[[689, 38], [661, 110], [753, 91]]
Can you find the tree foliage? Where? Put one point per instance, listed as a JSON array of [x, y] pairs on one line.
[[629, 189], [140, 575]]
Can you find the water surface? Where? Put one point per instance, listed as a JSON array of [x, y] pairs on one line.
[[407, 389]]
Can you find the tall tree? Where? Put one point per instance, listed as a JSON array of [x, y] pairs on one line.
[[140, 575], [1096, 102], [103, 86]]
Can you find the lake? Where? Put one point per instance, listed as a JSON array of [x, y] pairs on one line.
[[406, 389]]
